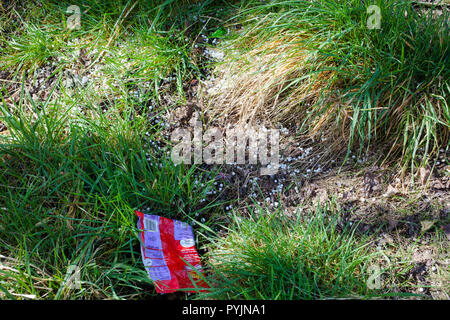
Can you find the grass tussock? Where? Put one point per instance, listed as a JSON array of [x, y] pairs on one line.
[[268, 256], [266, 87], [317, 64]]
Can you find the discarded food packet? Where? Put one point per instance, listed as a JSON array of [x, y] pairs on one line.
[[169, 254]]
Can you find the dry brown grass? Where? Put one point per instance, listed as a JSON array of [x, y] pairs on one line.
[[266, 84], [281, 82]]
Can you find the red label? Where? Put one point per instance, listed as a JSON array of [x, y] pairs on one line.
[[169, 254]]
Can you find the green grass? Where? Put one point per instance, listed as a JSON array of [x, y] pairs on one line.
[[269, 256], [68, 193], [387, 87], [157, 36], [76, 164]]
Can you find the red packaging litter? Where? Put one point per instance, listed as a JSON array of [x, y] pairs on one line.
[[169, 254]]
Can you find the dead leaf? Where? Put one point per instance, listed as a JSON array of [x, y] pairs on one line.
[[427, 224]]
